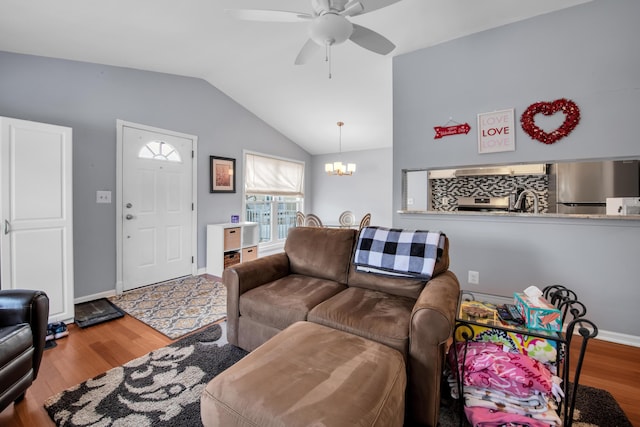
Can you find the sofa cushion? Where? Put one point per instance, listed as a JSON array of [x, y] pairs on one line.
[[320, 252], [287, 300], [401, 286], [375, 315]]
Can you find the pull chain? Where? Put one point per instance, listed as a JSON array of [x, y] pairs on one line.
[[327, 56]]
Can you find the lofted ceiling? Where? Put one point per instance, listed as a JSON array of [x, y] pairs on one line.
[[253, 62]]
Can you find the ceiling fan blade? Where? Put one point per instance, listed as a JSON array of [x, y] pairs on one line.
[[371, 5], [321, 5], [308, 50], [353, 8], [371, 40], [268, 15]]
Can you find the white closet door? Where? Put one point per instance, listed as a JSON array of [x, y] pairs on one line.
[[37, 237]]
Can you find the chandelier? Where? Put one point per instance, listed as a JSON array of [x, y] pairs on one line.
[[339, 168]]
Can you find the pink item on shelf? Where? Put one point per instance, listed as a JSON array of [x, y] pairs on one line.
[[487, 365], [483, 417]]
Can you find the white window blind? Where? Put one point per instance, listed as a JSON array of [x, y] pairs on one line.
[[269, 175]]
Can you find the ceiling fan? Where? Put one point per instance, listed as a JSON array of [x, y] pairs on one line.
[[328, 25]]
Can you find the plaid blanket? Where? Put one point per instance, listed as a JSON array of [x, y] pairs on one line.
[[398, 252]]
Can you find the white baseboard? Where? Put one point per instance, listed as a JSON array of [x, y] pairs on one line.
[[619, 338]]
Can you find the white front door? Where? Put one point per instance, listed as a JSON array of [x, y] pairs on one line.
[[157, 206], [36, 250]]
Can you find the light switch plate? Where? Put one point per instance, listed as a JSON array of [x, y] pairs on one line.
[[103, 196], [474, 277]]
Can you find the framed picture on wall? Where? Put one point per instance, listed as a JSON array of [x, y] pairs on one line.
[[223, 177]]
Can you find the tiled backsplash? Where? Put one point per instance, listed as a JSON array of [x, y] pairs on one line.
[[487, 186]]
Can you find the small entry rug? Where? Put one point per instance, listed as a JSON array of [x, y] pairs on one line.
[[176, 307], [161, 388], [94, 312]]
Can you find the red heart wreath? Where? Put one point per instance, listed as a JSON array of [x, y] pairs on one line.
[[568, 107]]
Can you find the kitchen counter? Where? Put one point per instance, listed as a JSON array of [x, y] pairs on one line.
[[524, 215]]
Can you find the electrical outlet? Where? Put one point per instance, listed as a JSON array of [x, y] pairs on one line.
[[474, 277], [103, 196]]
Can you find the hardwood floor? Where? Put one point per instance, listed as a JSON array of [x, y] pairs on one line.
[[86, 353], [83, 354]]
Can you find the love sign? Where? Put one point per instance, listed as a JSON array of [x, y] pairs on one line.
[[496, 132], [566, 106]]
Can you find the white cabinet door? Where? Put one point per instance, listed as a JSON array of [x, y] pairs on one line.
[[36, 248]]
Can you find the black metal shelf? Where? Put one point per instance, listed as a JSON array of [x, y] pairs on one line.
[[564, 300]]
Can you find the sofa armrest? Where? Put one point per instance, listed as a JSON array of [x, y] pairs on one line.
[[245, 276], [27, 306], [432, 323]]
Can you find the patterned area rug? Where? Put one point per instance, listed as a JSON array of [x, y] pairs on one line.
[[161, 388], [178, 306]]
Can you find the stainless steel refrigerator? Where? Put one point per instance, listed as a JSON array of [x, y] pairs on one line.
[[583, 187]]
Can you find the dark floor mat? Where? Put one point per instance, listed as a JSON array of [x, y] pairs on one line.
[[94, 312]]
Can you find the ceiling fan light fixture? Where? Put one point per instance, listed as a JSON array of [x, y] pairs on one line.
[[330, 29], [327, 25]]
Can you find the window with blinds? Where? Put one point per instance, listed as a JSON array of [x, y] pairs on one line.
[[274, 192]]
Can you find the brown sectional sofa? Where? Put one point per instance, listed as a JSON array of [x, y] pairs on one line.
[[314, 280]]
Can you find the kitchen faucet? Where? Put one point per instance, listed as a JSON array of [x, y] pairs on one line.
[[523, 193]]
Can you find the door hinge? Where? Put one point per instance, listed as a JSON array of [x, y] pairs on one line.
[[191, 260], [193, 206], [193, 154]]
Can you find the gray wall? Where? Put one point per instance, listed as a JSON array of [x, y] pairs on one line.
[[368, 190], [587, 53], [89, 98]]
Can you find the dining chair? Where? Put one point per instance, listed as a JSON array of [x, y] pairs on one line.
[[299, 219], [365, 221], [347, 219], [312, 220]]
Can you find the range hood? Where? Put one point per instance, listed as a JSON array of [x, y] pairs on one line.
[[530, 169]]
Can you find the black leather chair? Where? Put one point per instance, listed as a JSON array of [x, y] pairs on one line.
[[23, 327]]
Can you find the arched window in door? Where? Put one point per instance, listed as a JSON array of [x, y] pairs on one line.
[[159, 150]]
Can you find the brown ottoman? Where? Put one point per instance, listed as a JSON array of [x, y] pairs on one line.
[[310, 374]]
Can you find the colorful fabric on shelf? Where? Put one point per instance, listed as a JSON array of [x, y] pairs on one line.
[[536, 403], [484, 417], [540, 349], [488, 365], [548, 415]]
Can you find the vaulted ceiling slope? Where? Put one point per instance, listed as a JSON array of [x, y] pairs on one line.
[[253, 62]]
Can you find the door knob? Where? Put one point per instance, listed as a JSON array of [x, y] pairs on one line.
[[129, 216]]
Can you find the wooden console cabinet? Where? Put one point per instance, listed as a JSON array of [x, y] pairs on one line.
[[229, 244]]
